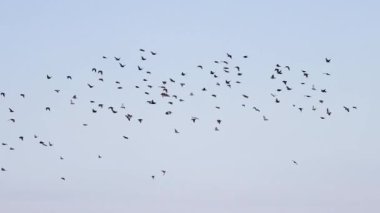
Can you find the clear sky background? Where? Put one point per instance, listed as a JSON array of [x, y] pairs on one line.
[[247, 165]]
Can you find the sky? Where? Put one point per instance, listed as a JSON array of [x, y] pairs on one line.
[[247, 165]]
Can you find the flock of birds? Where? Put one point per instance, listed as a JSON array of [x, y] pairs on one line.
[[226, 75]]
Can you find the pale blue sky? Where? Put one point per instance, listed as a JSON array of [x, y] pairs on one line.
[[246, 167]]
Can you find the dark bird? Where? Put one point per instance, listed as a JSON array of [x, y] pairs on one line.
[[200, 66], [265, 118], [69, 77], [277, 101], [2, 94], [168, 112], [313, 108], [245, 96], [216, 129], [89, 85], [294, 162], [47, 108], [151, 102], [346, 108], [238, 68], [43, 143], [117, 59], [61, 158], [322, 117], [48, 77], [327, 60], [125, 137], [104, 57], [142, 50], [153, 53], [21, 138], [323, 90], [287, 67], [57, 90], [22, 95], [140, 120], [272, 77], [176, 131], [10, 110], [99, 157], [13, 120], [3, 170], [285, 82], [326, 73], [94, 111], [122, 65], [142, 58], [246, 56], [229, 56], [163, 172], [152, 177], [139, 68], [194, 119], [62, 178], [183, 74], [219, 121], [256, 109], [300, 109], [354, 107], [288, 88], [328, 111]]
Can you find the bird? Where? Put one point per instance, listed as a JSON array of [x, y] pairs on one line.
[[47, 108], [153, 53], [328, 111], [117, 59], [245, 96], [99, 157], [151, 102], [229, 56], [69, 77], [142, 58], [176, 131], [48, 77], [22, 95], [327, 60], [346, 108], [323, 90], [152, 177], [63, 178], [3, 169], [294, 162], [200, 66], [12, 120], [61, 158], [125, 137], [10, 110], [122, 65], [91, 86], [219, 121], [265, 118], [21, 138], [2, 94], [163, 172], [194, 119]]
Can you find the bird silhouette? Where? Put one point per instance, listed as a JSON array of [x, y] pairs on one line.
[[327, 60]]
